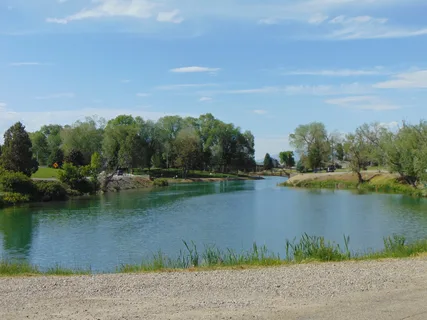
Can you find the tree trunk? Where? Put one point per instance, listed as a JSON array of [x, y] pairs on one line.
[[360, 177]]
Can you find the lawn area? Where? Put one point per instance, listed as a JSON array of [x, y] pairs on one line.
[[46, 173]]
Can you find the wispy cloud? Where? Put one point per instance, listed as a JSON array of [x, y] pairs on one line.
[[351, 88], [205, 99], [317, 18], [171, 16], [139, 9], [142, 94], [194, 69], [24, 64], [2, 105], [372, 103], [338, 72], [186, 86], [125, 81], [260, 111], [416, 79], [67, 95]]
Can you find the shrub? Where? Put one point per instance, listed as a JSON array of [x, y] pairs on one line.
[[12, 198], [16, 182], [50, 191], [161, 183], [74, 177]]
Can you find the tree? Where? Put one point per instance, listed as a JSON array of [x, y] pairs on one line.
[[358, 150], [287, 158], [57, 156], [268, 162], [311, 140], [85, 136], [40, 147], [300, 166], [187, 144], [75, 157], [17, 152], [340, 152]]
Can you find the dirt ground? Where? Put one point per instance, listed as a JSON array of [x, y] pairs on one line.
[[393, 289]]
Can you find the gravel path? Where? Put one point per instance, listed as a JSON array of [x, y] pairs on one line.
[[352, 290]]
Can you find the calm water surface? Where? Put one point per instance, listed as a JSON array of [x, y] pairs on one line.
[[105, 231]]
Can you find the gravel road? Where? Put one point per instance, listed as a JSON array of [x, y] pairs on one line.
[[393, 289]]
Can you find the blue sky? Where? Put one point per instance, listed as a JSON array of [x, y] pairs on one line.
[[266, 66]]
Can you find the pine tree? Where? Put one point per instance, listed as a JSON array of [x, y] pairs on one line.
[[16, 154]]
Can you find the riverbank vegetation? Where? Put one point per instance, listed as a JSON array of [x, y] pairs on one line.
[[306, 249], [86, 156], [400, 150]]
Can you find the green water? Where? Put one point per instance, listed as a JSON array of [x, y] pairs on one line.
[[103, 232]]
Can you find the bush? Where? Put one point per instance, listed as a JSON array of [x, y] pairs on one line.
[[74, 177], [161, 183], [16, 182], [12, 198], [50, 191]]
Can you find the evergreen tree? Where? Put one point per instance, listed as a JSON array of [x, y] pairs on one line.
[[16, 154], [268, 162]]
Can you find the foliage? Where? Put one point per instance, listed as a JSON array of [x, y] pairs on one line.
[[358, 150], [50, 191], [311, 142], [75, 157], [161, 182], [17, 152], [40, 147], [300, 167], [16, 182], [188, 150], [56, 156], [75, 178], [287, 158], [13, 198], [268, 162], [340, 151], [83, 136]]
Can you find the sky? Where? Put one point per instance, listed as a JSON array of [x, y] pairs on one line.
[[264, 65]]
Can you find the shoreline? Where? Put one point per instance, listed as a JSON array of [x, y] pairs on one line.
[[375, 182]]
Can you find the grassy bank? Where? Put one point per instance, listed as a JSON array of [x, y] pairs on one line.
[[307, 249], [375, 182], [46, 173]]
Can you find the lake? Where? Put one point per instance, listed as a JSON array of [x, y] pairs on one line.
[[103, 232]]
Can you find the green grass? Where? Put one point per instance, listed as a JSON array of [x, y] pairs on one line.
[[306, 249], [46, 173]]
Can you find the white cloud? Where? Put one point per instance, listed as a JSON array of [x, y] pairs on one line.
[[185, 86], [205, 99], [338, 72], [352, 88], [268, 21], [62, 1], [125, 81], [390, 125], [56, 96], [171, 16], [367, 27], [142, 94], [372, 103], [317, 18], [139, 9], [2, 105], [194, 69], [416, 79], [23, 64], [260, 111]]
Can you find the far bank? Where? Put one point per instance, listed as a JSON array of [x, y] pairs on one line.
[[374, 182]]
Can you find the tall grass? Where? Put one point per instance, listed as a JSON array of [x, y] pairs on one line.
[[306, 249]]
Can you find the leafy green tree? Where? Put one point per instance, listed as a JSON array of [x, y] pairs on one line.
[[75, 157], [57, 156], [85, 136], [340, 152], [268, 162], [75, 178], [287, 158], [312, 141], [300, 166], [17, 152], [40, 147], [187, 144], [358, 150]]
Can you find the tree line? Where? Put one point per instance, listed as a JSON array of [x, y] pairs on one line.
[[401, 149], [203, 143]]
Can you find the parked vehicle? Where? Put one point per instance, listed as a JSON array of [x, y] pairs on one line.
[[330, 168]]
